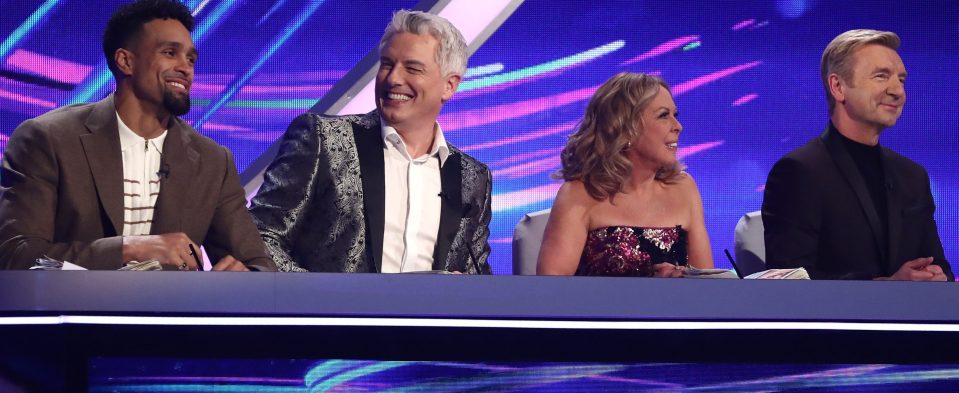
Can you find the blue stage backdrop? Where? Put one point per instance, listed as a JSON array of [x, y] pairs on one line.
[[745, 75], [122, 375]]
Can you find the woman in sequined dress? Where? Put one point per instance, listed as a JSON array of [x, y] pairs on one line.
[[626, 207]]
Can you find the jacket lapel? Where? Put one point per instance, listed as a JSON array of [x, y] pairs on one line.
[[894, 205], [451, 209], [848, 169], [102, 149], [369, 149], [180, 160]]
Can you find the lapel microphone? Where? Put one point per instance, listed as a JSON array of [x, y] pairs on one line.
[[468, 210], [164, 171]]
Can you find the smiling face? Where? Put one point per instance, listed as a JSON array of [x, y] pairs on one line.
[[874, 95], [160, 66], [659, 127], [410, 85]]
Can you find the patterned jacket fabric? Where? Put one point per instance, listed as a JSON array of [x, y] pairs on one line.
[[321, 204]]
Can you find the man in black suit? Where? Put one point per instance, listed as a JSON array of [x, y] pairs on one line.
[[842, 206], [382, 192]]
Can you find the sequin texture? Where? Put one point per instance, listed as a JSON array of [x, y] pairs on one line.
[[631, 251]]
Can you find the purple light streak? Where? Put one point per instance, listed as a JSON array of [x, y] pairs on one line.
[[493, 114], [568, 126], [211, 126], [511, 84], [526, 156], [684, 152], [259, 136], [744, 99], [526, 196], [212, 89], [48, 67], [663, 48], [744, 24], [528, 169], [712, 77], [198, 380], [27, 99]]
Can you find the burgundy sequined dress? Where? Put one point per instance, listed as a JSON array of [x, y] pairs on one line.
[[631, 251]]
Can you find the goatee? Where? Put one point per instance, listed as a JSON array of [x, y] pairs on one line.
[[178, 106]]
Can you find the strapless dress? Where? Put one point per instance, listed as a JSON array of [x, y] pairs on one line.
[[631, 251]]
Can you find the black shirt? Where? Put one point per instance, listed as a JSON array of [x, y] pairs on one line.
[[868, 160]]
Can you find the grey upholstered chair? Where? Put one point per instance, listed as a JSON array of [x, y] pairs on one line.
[[749, 244], [527, 238]]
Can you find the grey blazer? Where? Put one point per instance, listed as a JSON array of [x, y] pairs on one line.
[[61, 192], [321, 205]]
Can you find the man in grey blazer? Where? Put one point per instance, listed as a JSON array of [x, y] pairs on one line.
[[382, 192], [76, 185]]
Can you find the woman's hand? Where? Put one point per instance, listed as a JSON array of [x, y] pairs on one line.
[[668, 270]]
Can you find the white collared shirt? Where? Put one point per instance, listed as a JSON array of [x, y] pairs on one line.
[[412, 210], [141, 182]]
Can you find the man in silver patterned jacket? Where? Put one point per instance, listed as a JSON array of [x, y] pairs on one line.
[[382, 192]]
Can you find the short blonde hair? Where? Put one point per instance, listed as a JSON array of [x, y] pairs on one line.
[[595, 153], [837, 58]]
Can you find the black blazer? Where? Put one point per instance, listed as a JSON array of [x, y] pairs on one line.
[[818, 214], [321, 205]]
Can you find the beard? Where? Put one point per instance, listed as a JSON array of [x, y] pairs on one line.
[[178, 106]]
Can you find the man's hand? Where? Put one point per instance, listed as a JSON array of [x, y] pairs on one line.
[[230, 264], [667, 270], [937, 273], [170, 249], [919, 269]]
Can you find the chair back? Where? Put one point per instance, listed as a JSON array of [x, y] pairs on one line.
[[527, 238]]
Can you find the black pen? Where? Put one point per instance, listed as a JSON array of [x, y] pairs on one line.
[[196, 257], [735, 268]]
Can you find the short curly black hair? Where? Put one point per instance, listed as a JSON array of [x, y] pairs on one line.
[[127, 23]]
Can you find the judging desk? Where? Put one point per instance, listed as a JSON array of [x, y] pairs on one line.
[[81, 314]]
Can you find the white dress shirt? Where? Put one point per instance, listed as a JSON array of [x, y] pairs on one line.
[[141, 182], [412, 211]]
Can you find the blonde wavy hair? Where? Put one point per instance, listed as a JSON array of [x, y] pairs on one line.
[[596, 153]]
